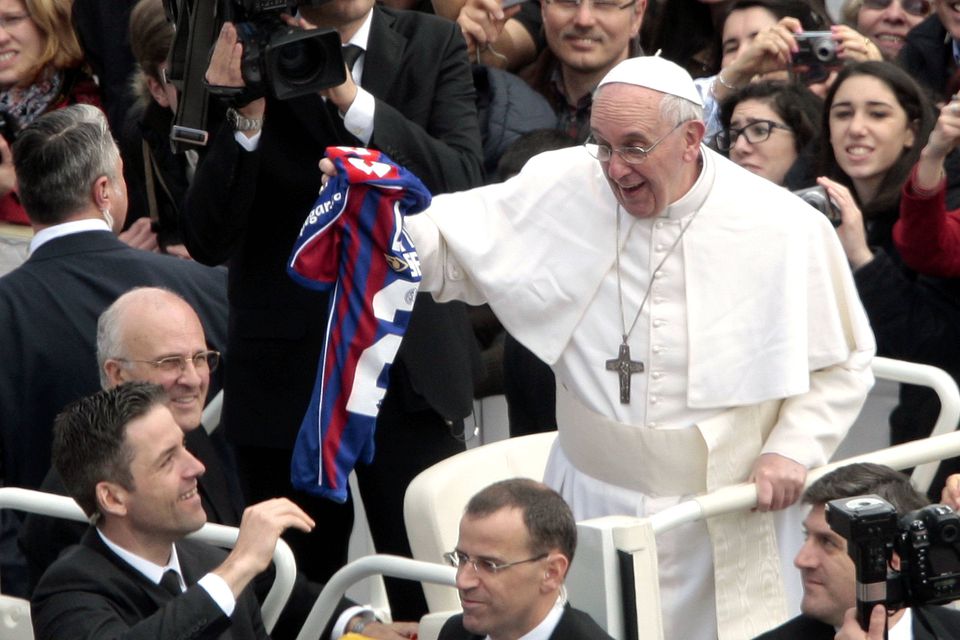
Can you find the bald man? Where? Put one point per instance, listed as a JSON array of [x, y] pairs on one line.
[[151, 335]]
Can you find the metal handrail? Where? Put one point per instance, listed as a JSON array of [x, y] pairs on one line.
[[381, 564], [947, 391], [57, 506]]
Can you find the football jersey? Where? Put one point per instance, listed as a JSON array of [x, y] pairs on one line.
[[353, 244]]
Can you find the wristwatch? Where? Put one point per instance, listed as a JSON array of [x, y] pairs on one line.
[[365, 618], [239, 122]]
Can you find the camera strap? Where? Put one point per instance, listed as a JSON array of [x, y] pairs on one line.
[[188, 63]]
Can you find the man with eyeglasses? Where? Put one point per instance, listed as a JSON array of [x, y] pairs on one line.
[[72, 187], [153, 335], [517, 539], [585, 39], [702, 323], [932, 50]]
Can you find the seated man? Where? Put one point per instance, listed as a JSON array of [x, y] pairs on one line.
[[829, 582], [121, 455], [517, 539], [153, 335], [149, 335]]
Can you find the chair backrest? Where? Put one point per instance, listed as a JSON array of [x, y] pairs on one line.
[[436, 498], [15, 619]]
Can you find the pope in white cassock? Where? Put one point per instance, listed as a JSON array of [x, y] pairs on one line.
[[702, 323]]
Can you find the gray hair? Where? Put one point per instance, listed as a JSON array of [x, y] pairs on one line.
[[675, 109], [108, 338], [58, 157]]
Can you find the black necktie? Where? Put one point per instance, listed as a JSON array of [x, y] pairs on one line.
[[351, 53], [171, 582]]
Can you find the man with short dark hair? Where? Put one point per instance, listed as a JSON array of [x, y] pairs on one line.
[[585, 40], [517, 539], [829, 578], [71, 185], [121, 456]]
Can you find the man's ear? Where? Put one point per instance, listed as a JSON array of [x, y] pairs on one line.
[[111, 498], [115, 372], [555, 572], [693, 132]]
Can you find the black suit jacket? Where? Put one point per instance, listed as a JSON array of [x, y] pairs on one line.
[[48, 317], [248, 208], [944, 622], [42, 538], [573, 625], [91, 593]]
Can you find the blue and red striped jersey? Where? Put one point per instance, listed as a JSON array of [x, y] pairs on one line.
[[353, 242]]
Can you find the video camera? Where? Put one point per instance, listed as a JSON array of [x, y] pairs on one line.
[[927, 541], [279, 59], [285, 60]]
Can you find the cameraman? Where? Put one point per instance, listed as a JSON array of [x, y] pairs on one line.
[[828, 572], [409, 94]]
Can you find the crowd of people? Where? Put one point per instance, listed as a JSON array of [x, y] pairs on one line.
[[611, 184]]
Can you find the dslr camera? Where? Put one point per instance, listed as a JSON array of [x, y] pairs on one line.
[[284, 60], [927, 541], [816, 56]]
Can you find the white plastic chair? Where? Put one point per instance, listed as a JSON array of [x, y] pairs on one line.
[[436, 498]]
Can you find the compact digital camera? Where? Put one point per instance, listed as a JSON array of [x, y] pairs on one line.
[[817, 198]]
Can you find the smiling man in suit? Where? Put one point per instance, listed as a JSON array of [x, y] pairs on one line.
[[517, 539], [121, 456], [409, 94]]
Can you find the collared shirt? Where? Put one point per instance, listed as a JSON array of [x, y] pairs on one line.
[[545, 629], [358, 119], [572, 119], [903, 629], [215, 586], [65, 229]]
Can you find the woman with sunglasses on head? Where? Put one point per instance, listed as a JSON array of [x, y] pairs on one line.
[[886, 22], [767, 126], [40, 70], [875, 121]]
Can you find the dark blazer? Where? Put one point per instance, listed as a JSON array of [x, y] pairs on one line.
[[573, 625], [944, 622], [48, 317], [927, 57], [42, 538], [92, 593], [248, 208]]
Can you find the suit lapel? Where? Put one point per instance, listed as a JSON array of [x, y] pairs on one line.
[[384, 57], [157, 594]]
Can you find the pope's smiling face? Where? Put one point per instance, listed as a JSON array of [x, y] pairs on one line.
[[625, 115]]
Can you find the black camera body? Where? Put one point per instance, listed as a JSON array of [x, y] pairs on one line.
[[817, 198], [284, 60], [927, 542]]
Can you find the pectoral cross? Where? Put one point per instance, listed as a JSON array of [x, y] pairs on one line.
[[625, 367]]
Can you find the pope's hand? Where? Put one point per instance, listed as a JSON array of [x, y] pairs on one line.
[[779, 481]]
